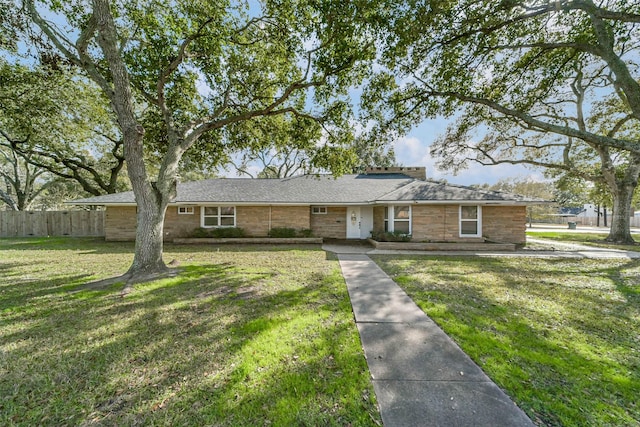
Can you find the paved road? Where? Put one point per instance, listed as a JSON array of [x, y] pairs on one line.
[[579, 228]]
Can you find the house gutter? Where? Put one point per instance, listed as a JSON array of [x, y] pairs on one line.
[[361, 203], [460, 202]]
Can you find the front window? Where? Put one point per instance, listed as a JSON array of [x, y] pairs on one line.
[[400, 221], [219, 216], [185, 210], [470, 221]]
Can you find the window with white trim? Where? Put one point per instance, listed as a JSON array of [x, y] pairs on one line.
[[399, 221], [470, 221], [218, 216], [319, 210], [185, 210]]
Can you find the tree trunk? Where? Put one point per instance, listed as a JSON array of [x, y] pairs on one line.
[[620, 220], [622, 189], [151, 201], [147, 261]]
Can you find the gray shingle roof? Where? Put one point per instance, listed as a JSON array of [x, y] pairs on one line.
[[317, 190], [437, 191]]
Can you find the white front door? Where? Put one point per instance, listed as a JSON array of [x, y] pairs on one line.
[[353, 222], [366, 221]]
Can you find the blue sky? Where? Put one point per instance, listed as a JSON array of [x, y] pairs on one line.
[[413, 150]]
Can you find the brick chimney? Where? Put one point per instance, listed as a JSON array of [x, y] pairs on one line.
[[417, 172]]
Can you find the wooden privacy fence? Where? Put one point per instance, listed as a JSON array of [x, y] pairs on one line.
[[51, 223]]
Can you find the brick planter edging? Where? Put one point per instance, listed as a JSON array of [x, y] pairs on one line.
[[249, 240], [445, 246]]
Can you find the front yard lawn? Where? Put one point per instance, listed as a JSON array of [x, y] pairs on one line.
[[561, 337], [244, 336]]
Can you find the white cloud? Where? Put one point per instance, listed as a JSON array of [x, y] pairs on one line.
[[411, 151], [414, 151]]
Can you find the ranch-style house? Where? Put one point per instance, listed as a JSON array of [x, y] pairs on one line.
[[398, 199]]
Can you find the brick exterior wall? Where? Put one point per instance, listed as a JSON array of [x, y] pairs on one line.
[[180, 225], [332, 225], [298, 217], [435, 223], [120, 223], [254, 220], [506, 224], [439, 223], [378, 218]]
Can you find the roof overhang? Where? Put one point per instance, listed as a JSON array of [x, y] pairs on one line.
[[331, 203], [228, 203], [99, 204], [460, 202]]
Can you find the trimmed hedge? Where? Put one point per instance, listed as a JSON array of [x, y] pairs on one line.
[[286, 232], [221, 232], [387, 236]]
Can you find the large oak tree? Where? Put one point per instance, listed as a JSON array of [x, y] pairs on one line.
[[203, 67], [527, 81], [54, 121]]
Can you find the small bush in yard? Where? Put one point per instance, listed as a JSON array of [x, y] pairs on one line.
[[222, 232], [388, 236], [283, 232], [200, 232], [305, 232]]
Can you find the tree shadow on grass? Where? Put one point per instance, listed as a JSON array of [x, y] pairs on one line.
[[189, 350], [23, 290], [560, 346], [10, 269], [627, 279], [55, 243]]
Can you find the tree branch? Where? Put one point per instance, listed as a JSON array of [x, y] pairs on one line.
[[536, 124]]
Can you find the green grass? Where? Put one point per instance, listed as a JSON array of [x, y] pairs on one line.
[[561, 337], [244, 336], [588, 239]]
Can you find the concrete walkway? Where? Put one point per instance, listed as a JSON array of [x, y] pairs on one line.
[[420, 376]]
